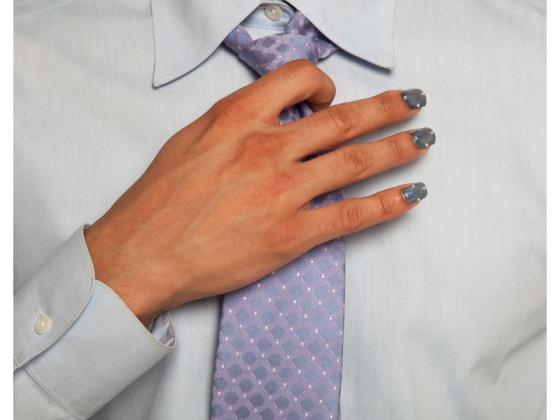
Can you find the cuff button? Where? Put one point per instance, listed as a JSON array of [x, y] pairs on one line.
[[42, 325]]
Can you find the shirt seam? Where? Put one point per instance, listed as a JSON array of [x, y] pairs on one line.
[[53, 394], [250, 25]]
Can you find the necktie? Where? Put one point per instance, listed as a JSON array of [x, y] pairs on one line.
[[280, 342]]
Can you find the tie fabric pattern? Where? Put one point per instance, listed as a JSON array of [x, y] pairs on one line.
[[279, 350]]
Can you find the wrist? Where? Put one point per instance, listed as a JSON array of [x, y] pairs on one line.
[[127, 280]]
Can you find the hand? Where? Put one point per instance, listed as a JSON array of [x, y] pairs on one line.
[[226, 200]]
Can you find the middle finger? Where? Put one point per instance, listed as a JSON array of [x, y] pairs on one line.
[[355, 162]]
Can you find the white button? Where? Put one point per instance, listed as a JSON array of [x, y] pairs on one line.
[[273, 12], [43, 324]]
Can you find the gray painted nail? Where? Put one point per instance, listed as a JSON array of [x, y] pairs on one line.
[[415, 193], [423, 137], [414, 98]]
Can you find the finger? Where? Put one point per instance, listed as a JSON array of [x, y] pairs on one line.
[[338, 124], [359, 161], [294, 82], [355, 214]]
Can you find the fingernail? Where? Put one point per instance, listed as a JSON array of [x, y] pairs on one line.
[[414, 98], [423, 137], [415, 193]]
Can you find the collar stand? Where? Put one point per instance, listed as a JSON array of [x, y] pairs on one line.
[[187, 33]]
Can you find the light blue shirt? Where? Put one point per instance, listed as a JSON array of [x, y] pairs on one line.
[[445, 306]]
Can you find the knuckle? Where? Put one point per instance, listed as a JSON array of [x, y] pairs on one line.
[[351, 215], [344, 119], [283, 183], [388, 207], [262, 146], [355, 163], [284, 239], [398, 150], [220, 106], [389, 104], [304, 69], [231, 110]]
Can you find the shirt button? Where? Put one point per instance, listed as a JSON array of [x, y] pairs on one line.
[[273, 12], [43, 324]]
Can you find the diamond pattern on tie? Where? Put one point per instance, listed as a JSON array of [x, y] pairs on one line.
[[280, 342]]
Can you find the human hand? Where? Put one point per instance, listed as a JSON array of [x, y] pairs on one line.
[[226, 200]]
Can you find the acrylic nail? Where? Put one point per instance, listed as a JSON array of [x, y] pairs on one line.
[[414, 98], [423, 137], [415, 193]]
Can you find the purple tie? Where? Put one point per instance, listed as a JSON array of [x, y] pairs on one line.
[[279, 350]]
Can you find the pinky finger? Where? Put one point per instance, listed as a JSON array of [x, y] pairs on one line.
[[354, 214]]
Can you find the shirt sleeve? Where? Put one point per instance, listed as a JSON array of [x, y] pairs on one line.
[[76, 343]]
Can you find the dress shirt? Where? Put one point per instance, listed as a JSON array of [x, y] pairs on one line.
[[445, 306]]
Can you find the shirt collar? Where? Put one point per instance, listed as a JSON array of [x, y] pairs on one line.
[[187, 32]]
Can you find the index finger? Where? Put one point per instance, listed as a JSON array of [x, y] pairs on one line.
[[292, 83]]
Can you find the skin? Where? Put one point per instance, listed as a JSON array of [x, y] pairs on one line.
[[226, 200]]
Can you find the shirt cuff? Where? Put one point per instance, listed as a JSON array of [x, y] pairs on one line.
[[77, 338]]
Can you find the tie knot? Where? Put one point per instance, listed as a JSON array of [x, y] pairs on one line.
[[300, 39], [298, 24]]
